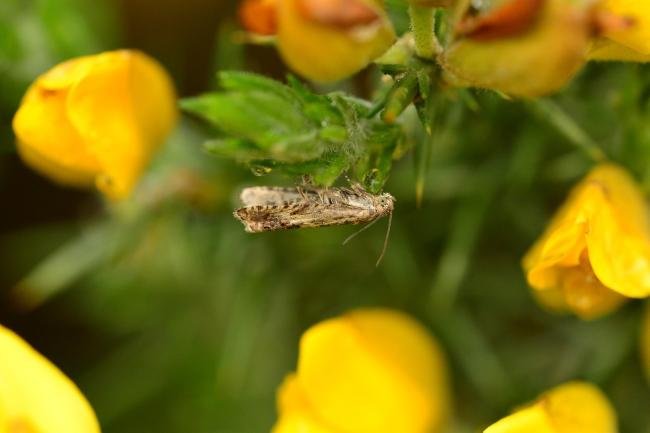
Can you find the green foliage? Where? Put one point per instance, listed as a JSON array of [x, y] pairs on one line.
[[271, 126]]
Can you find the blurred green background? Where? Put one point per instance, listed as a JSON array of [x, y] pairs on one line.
[[172, 319]]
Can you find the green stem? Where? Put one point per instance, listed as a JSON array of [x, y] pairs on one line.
[[568, 127], [423, 27], [399, 97]]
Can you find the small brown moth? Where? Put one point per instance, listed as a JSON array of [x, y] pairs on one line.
[[273, 208]]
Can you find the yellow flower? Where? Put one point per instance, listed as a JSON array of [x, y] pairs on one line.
[[96, 120], [35, 397], [596, 251], [624, 42], [521, 48], [575, 407], [328, 40], [369, 371]]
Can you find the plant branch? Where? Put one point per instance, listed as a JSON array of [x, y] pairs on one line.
[[423, 27]]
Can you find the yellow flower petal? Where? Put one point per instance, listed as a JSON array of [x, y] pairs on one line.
[[123, 111], [96, 119], [606, 49], [368, 371], [595, 253], [575, 407], [528, 420], [326, 52], [297, 415], [299, 422], [619, 237], [637, 36], [579, 407], [533, 63], [621, 260], [585, 295], [35, 397], [65, 74], [47, 140]]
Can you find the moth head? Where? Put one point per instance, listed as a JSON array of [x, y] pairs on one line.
[[386, 202]]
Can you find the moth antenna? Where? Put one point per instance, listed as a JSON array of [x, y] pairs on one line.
[[362, 229], [383, 250]]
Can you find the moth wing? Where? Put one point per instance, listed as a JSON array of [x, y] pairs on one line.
[[274, 196], [260, 218]]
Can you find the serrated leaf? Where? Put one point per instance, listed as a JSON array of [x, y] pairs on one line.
[[271, 126], [326, 174], [234, 148], [333, 133], [374, 167], [249, 82], [263, 118]]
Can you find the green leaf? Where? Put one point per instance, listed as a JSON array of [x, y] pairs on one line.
[[271, 126], [233, 148], [249, 82], [326, 174]]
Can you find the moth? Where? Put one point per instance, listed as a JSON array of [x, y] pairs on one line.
[[274, 208]]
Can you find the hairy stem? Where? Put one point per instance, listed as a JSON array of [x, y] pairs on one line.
[[423, 26]]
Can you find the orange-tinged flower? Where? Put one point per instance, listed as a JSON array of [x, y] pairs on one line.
[[35, 397], [259, 16], [96, 120], [596, 251], [525, 48], [369, 371], [328, 40], [629, 42], [575, 407]]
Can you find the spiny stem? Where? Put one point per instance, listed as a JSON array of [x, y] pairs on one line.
[[568, 127], [423, 27]]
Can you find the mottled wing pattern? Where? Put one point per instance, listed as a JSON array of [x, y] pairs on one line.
[[260, 218], [272, 208], [268, 195]]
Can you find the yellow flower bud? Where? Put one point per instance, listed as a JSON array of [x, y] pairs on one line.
[[522, 48], [596, 251], [96, 120], [35, 397], [328, 40], [575, 407], [629, 42], [369, 371]]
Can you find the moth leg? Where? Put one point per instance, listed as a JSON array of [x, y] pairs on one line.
[[301, 191], [328, 195], [357, 188], [322, 196], [307, 180]]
